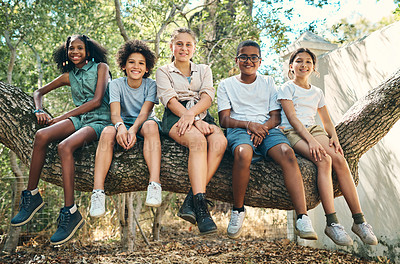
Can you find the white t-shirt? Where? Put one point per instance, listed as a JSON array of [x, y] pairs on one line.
[[248, 102], [306, 102]]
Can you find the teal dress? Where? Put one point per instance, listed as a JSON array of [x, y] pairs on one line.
[[83, 86]]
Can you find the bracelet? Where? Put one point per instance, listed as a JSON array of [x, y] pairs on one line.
[[38, 111], [247, 125], [118, 124]]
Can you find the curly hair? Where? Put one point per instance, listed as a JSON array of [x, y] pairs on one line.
[[136, 46], [94, 51]]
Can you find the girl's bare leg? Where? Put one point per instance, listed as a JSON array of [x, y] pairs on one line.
[[216, 148], [66, 149], [43, 138]]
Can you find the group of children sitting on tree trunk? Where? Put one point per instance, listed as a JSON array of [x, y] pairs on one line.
[[260, 120]]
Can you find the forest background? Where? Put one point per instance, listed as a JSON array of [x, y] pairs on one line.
[[31, 30]]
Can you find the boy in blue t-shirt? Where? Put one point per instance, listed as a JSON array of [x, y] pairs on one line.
[[131, 104], [248, 108]]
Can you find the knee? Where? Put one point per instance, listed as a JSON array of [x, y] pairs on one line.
[[149, 128], [108, 135], [41, 137], [287, 154], [64, 149], [198, 142], [218, 143], [339, 162], [325, 162], [243, 154]]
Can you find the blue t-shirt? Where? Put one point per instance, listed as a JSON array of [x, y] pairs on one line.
[[132, 99]]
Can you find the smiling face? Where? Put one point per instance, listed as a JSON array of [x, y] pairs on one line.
[[135, 66], [183, 47], [302, 65], [77, 52], [247, 67]]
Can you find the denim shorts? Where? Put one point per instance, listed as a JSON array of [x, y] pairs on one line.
[[239, 136]]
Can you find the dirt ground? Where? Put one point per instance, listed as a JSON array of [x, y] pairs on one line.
[[178, 246], [262, 241]]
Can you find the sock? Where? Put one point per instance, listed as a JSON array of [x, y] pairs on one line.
[[358, 218], [331, 219], [34, 191], [299, 216], [98, 190], [241, 209], [72, 209], [159, 184]]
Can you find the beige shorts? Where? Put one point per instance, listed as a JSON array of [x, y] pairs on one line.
[[293, 137]]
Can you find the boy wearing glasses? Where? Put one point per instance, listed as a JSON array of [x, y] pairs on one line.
[[248, 108]]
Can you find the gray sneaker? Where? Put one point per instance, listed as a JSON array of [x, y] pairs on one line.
[[97, 204], [235, 224], [338, 235], [304, 228], [364, 231]]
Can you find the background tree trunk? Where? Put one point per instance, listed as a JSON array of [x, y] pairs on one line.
[[360, 129]]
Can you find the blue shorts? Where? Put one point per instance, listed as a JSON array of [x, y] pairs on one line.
[[239, 136], [129, 122]]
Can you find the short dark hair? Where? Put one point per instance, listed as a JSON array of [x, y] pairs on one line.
[[298, 51], [94, 51], [136, 46], [247, 43]]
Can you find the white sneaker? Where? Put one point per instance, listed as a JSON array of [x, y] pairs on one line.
[[235, 224], [154, 196], [304, 228], [338, 235], [98, 204], [364, 231]]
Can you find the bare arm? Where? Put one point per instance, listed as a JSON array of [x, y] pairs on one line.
[[315, 148], [102, 77], [42, 117], [330, 129]]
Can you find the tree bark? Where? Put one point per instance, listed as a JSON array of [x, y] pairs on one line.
[[361, 128]]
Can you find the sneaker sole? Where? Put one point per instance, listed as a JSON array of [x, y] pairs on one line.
[[338, 242], [78, 226], [308, 236], [208, 232], [152, 205], [236, 235], [30, 217], [188, 217], [97, 216], [372, 243]]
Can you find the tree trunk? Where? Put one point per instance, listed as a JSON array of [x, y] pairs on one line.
[[158, 216], [360, 129]]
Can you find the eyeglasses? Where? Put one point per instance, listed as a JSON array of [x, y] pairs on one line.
[[244, 58]]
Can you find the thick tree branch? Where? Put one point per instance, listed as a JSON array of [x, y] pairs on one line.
[[361, 128]]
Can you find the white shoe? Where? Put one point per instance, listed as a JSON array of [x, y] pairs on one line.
[[304, 228], [154, 195], [364, 231], [338, 235], [235, 224], [98, 204]]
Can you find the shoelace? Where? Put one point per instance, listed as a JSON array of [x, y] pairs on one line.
[[63, 219], [24, 202], [367, 228], [203, 210], [307, 225], [96, 200], [339, 229], [235, 218], [153, 191]]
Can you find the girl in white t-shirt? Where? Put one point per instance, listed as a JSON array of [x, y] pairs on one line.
[[300, 102]]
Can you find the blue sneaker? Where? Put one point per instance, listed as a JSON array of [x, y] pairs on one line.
[[68, 224], [28, 206]]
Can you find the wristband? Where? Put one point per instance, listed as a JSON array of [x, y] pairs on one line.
[[118, 124], [197, 118], [38, 111], [247, 125]]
